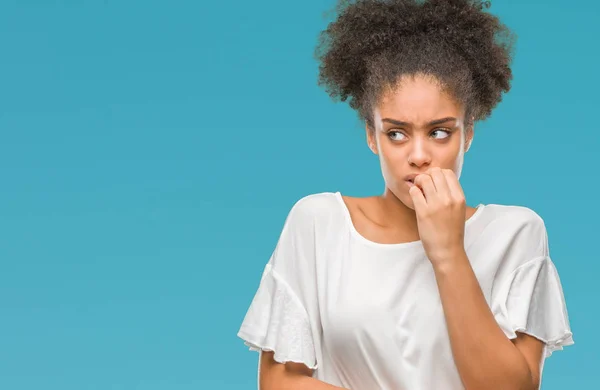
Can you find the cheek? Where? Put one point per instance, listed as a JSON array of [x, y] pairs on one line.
[[451, 154], [455, 158], [450, 160], [391, 158]]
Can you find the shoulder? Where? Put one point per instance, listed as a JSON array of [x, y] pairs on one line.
[[313, 212], [312, 216], [513, 214], [519, 228], [315, 206]]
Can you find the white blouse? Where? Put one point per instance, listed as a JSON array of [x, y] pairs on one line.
[[367, 315]]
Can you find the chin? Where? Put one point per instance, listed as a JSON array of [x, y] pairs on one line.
[[408, 203], [404, 197]]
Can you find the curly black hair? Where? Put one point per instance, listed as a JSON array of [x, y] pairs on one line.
[[372, 43]]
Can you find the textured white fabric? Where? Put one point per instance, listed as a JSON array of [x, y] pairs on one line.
[[277, 321], [368, 316], [531, 301]]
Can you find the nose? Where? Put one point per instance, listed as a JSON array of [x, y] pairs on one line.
[[418, 154]]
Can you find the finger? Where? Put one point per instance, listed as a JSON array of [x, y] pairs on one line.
[[418, 198], [453, 184], [425, 183], [440, 182]]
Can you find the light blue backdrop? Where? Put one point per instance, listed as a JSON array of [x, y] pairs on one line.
[[150, 152]]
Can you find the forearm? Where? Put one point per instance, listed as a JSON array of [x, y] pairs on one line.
[[485, 357], [303, 382], [294, 381], [288, 376]]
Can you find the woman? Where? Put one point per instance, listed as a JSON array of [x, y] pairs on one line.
[[410, 289]]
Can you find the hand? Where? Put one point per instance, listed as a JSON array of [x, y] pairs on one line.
[[440, 207]]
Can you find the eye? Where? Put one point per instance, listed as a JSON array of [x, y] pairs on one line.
[[395, 135], [445, 133]]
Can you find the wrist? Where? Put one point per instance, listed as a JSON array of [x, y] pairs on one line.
[[448, 259]]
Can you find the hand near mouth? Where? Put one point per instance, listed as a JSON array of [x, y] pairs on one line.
[[440, 207]]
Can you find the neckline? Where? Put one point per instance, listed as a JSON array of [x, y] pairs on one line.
[[410, 244]]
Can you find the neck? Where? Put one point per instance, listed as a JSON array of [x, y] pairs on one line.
[[396, 214]]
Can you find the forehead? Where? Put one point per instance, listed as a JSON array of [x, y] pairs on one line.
[[418, 100]]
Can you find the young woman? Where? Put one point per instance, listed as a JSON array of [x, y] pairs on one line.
[[411, 289]]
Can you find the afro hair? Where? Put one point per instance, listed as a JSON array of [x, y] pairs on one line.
[[371, 44]]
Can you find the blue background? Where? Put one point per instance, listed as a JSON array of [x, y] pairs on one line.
[[150, 152]]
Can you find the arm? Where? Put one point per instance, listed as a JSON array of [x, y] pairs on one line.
[[282, 317], [288, 376], [485, 357]]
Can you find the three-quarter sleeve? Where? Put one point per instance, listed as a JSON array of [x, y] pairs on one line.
[[531, 301], [277, 319]]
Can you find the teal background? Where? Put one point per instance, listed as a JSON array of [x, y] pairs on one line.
[[150, 152]]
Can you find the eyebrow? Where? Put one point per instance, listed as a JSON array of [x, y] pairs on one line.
[[432, 123]]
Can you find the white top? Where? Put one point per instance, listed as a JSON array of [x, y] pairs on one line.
[[368, 315]]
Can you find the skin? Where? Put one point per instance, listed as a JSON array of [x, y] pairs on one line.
[[288, 376], [405, 149], [434, 211]]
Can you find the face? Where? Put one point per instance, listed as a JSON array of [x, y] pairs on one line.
[[417, 126]]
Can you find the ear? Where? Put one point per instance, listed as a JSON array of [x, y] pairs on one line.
[[371, 139], [469, 134]]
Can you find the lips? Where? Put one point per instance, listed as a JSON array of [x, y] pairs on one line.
[[411, 177]]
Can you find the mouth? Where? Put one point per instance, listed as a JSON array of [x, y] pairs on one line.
[[410, 179]]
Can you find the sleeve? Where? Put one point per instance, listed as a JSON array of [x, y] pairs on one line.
[[277, 319], [531, 301]]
